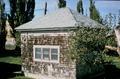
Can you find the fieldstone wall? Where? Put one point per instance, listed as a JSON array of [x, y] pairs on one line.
[[65, 69]]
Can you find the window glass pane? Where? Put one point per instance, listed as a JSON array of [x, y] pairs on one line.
[[46, 53], [38, 53], [54, 54]]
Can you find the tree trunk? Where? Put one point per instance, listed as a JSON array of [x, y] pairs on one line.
[[111, 48]]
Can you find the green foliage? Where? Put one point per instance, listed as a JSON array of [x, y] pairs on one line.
[[21, 77], [62, 3], [119, 17], [94, 14], [86, 46], [21, 11], [110, 40], [18, 41], [87, 38], [80, 7], [2, 25], [110, 20], [113, 58]]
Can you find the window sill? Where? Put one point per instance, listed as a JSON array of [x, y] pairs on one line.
[[46, 61]]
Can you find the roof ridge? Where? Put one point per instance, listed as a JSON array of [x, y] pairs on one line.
[[72, 15]]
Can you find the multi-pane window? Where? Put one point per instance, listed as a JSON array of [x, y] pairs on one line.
[[46, 53]]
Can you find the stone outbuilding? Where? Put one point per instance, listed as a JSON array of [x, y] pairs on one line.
[[44, 44]]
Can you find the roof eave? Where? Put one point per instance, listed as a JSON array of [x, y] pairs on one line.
[[46, 29]]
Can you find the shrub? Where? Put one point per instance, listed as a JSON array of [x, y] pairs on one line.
[[18, 41], [86, 47]]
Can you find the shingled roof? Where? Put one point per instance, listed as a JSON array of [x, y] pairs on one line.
[[60, 19]]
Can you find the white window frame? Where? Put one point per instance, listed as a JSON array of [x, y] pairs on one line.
[[46, 46]]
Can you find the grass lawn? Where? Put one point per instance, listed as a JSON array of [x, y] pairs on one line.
[[11, 60], [20, 77], [10, 63]]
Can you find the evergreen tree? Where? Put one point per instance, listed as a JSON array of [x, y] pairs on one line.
[[94, 14], [62, 3], [45, 10], [21, 11], [2, 26], [80, 7], [119, 17]]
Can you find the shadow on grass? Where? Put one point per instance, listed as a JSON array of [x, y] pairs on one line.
[[7, 70], [13, 53], [111, 72]]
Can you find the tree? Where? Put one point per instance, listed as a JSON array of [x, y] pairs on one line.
[[110, 20], [80, 7], [119, 17], [2, 25], [62, 3], [45, 10], [21, 11], [94, 14]]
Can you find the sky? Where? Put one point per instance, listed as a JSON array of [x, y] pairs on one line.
[[104, 6]]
